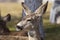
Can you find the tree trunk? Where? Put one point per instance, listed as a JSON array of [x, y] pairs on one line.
[[33, 5], [55, 12]]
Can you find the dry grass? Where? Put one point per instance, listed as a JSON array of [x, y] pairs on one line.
[[14, 9], [6, 37]]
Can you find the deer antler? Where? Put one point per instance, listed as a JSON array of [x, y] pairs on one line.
[[26, 9], [42, 8]]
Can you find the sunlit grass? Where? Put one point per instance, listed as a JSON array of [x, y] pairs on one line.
[[15, 10]]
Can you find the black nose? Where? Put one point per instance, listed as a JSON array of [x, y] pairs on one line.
[[20, 27]]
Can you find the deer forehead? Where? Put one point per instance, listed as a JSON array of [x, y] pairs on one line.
[[29, 16]]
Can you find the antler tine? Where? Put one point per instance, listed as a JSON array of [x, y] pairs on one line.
[[40, 8], [26, 8], [23, 5]]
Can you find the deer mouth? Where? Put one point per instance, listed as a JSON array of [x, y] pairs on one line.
[[20, 27]]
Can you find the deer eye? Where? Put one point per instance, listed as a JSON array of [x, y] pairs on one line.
[[29, 20]]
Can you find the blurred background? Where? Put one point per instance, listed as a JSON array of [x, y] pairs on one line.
[[15, 9]]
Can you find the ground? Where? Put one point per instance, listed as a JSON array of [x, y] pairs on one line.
[[52, 31]]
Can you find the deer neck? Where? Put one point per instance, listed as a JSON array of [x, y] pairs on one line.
[[35, 32]]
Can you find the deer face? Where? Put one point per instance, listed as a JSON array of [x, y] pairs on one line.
[[31, 17], [25, 22], [3, 22]]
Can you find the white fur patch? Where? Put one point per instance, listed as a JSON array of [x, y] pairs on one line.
[[19, 24], [32, 35], [58, 20]]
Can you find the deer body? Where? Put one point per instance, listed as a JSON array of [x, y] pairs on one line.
[[32, 21], [3, 27]]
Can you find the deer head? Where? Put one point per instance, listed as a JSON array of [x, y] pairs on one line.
[[3, 21], [31, 17]]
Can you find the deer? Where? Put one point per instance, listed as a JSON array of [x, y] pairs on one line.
[[4, 30], [5, 33], [3, 20], [32, 21]]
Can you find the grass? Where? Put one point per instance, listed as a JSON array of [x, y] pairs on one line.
[[52, 31], [15, 10]]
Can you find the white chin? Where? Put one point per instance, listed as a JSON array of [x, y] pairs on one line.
[[17, 29], [58, 20]]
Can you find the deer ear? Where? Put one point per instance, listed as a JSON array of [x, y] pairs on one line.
[[26, 9], [7, 18], [42, 9]]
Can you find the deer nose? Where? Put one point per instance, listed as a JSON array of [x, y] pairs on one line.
[[20, 27]]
